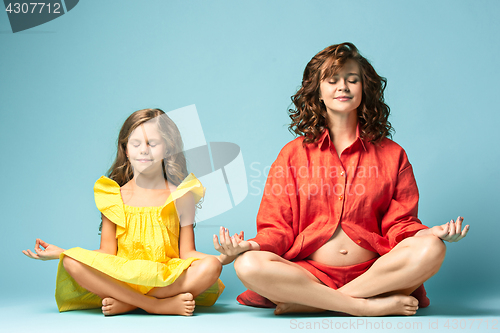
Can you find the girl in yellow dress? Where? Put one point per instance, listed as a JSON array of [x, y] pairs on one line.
[[147, 258]]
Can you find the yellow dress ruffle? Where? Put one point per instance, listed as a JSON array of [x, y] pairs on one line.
[[148, 248]]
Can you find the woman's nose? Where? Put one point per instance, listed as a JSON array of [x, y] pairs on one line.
[[343, 85]]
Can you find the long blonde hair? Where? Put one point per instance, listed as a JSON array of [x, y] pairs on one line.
[[174, 164]]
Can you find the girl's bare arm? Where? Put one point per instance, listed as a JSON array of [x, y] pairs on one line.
[[109, 243], [46, 251]]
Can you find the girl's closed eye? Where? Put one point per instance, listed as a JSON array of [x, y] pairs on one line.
[[134, 142]]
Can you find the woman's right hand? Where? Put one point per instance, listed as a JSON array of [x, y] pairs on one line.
[[49, 251], [230, 246]]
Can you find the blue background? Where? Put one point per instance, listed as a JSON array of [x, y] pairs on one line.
[[68, 85]]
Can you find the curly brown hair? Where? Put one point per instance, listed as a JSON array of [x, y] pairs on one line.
[[174, 164], [309, 116]]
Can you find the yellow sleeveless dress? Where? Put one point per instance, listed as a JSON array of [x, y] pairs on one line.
[[148, 248]]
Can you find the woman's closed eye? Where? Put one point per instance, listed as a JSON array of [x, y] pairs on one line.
[[350, 81]]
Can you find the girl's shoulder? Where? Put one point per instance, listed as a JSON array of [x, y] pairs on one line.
[[106, 185], [191, 186], [108, 200]]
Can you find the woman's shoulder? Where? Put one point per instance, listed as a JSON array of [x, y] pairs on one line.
[[389, 145], [390, 150], [292, 147]]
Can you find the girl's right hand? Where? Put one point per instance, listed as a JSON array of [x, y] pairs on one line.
[[49, 252]]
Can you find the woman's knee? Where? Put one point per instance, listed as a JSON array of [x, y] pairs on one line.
[[249, 264], [431, 251]]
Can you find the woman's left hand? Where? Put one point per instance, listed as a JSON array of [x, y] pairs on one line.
[[451, 231]]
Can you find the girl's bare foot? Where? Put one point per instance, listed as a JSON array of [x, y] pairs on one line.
[[182, 304], [111, 306], [282, 308], [389, 305]]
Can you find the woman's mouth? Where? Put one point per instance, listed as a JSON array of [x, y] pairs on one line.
[[343, 98]]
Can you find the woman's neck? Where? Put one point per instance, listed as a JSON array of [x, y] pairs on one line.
[[342, 129]]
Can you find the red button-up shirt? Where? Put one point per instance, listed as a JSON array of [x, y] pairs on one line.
[[370, 190]]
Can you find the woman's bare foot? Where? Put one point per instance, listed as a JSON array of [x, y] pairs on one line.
[[282, 308], [389, 305], [182, 304], [111, 306]]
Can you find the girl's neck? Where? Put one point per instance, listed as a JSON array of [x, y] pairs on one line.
[[149, 182]]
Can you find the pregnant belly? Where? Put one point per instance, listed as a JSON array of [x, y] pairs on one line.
[[340, 251]]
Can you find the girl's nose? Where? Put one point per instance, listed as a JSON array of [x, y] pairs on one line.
[[144, 148]]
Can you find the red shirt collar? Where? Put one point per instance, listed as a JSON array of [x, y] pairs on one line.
[[325, 140]]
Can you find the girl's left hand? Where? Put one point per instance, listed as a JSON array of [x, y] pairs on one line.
[[451, 231]]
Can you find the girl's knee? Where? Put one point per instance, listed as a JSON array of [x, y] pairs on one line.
[[70, 264], [210, 267]]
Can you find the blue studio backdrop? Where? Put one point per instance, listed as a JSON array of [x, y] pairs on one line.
[[67, 86]]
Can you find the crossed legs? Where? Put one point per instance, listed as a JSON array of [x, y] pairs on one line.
[[119, 297], [382, 290]]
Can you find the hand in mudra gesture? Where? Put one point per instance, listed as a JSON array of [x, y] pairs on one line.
[[451, 231], [47, 252], [230, 246]]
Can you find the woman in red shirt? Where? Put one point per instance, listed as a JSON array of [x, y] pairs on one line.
[[337, 225]]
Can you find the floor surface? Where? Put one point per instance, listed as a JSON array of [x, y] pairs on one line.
[[228, 316]]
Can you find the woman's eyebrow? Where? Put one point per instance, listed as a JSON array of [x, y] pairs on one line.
[[348, 74]]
